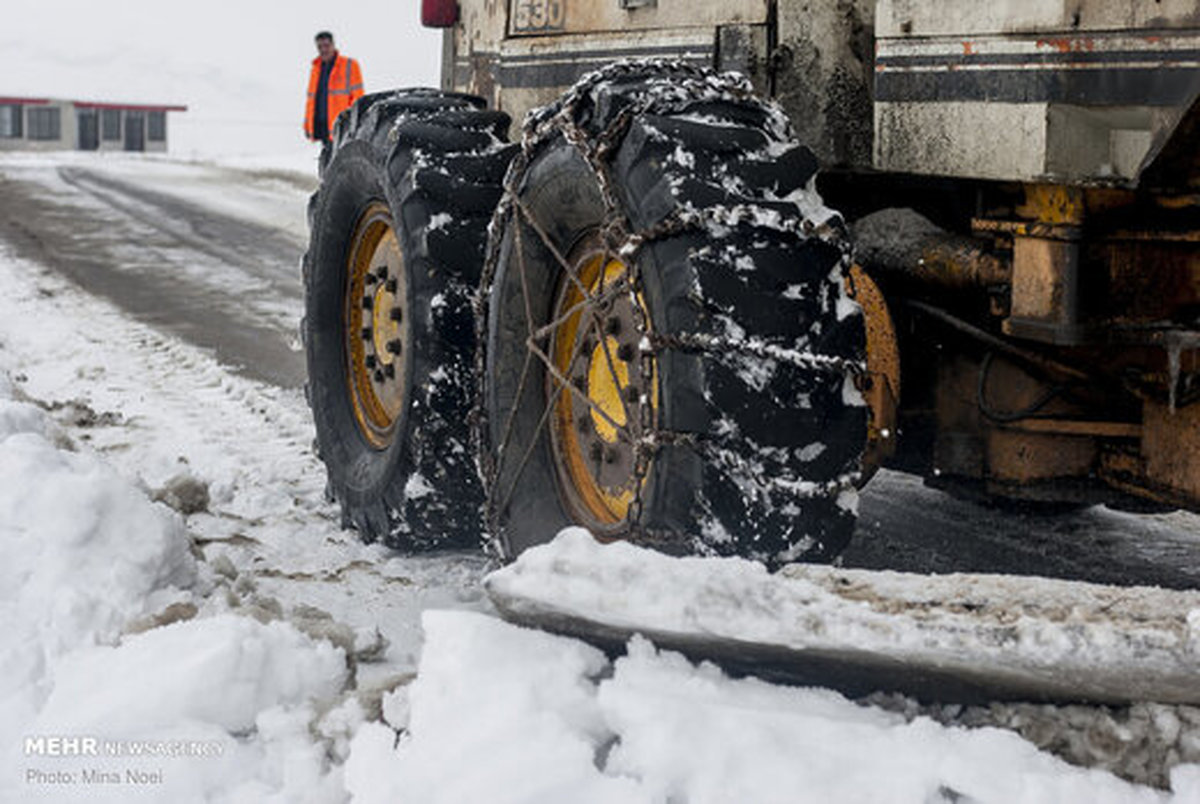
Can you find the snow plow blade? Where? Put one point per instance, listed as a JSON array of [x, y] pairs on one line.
[[961, 638]]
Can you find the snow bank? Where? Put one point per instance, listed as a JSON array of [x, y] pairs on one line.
[[498, 714], [218, 708], [503, 714], [224, 702], [221, 670], [692, 734], [82, 552]]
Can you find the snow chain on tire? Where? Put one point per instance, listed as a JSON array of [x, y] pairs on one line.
[[735, 394], [392, 413]]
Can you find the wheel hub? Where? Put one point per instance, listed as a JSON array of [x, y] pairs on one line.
[[601, 413], [385, 328], [376, 332]]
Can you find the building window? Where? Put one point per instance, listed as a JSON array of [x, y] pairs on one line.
[[110, 124], [156, 126], [10, 121], [45, 123]]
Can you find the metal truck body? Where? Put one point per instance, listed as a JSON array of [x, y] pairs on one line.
[[1042, 307]]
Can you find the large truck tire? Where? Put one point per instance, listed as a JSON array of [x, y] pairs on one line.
[[398, 227], [671, 354]]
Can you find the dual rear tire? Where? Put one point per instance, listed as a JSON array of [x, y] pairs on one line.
[[665, 352]]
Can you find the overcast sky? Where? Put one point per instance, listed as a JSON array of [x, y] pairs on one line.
[[241, 66]]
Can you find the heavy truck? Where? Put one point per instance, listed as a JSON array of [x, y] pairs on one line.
[[646, 318], [597, 279]]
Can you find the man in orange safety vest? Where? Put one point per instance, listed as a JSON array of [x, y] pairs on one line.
[[334, 84]]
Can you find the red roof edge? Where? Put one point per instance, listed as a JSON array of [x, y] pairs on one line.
[[9, 101]]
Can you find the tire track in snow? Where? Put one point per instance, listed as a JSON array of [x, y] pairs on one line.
[[224, 284]]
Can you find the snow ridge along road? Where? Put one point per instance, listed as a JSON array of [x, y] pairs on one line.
[[944, 637]]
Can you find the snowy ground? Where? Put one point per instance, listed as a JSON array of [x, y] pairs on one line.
[[253, 651]]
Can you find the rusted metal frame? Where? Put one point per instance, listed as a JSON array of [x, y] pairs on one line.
[[1126, 473], [1008, 417], [1076, 427], [999, 344], [1053, 231]]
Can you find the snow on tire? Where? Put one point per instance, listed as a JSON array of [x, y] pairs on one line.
[[397, 232], [670, 351]]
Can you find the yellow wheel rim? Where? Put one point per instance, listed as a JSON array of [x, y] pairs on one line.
[[603, 395], [377, 332]]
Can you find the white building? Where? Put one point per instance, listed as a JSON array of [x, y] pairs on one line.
[[53, 124]]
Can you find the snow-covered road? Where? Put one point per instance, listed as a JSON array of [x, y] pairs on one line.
[[207, 254], [148, 323]]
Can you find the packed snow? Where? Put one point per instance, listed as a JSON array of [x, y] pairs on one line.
[[99, 589], [504, 714], [1023, 636]]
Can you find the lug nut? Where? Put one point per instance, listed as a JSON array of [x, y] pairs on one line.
[[368, 302], [596, 453], [378, 376], [578, 382], [585, 421], [389, 370], [632, 394], [397, 314], [390, 285], [625, 352], [369, 360], [394, 347], [370, 278], [381, 272], [612, 326], [366, 333], [610, 456]]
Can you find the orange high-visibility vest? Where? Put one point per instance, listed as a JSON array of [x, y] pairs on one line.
[[345, 87]]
